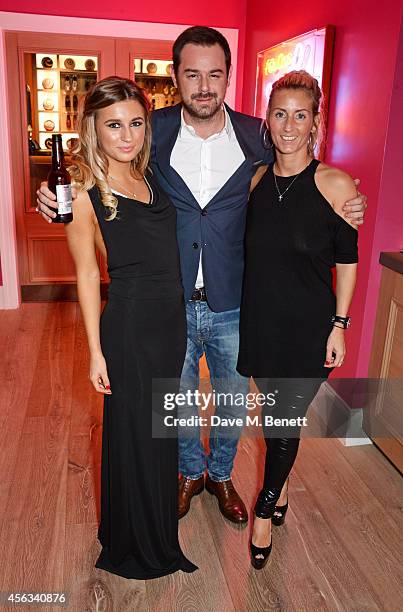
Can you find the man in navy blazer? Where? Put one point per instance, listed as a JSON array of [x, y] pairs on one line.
[[217, 229], [204, 155]]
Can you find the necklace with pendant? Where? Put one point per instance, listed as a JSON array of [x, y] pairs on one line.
[[132, 194], [282, 194]]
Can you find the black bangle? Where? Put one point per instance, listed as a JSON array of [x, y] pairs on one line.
[[345, 321]]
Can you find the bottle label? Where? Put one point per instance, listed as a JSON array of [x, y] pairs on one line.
[[64, 199]]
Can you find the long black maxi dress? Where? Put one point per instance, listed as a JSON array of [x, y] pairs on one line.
[[143, 336]]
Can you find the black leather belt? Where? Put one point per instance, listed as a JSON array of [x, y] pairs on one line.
[[198, 295]]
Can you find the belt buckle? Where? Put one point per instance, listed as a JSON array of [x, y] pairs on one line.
[[200, 294]]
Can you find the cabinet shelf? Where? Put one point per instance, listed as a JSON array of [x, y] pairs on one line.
[[42, 156], [153, 76], [66, 72]]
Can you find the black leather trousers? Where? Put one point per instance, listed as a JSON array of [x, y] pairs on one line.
[[293, 397]]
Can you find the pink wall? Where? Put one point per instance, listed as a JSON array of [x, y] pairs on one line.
[[388, 233], [363, 71], [228, 14]]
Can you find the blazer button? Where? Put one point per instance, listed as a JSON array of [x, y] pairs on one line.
[[195, 245], [204, 213]]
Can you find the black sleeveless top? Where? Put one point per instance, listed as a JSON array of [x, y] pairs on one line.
[[142, 251], [288, 298]]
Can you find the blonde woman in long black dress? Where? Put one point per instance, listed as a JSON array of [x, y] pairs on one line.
[[142, 332], [292, 322]]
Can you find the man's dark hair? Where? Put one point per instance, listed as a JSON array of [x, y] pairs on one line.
[[203, 36]]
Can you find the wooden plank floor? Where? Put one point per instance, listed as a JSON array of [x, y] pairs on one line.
[[340, 548]]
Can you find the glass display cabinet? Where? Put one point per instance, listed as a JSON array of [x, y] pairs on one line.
[[155, 77]]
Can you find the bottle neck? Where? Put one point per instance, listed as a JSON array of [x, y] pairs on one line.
[[57, 155]]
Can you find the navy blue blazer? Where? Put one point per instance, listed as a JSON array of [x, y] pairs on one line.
[[219, 228]]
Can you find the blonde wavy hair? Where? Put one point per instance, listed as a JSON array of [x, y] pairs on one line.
[[89, 163], [300, 79]]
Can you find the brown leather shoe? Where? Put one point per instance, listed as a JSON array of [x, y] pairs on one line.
[[229, 502], [188, 488]]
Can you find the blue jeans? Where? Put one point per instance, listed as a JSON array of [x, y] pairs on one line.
[[217, 335]]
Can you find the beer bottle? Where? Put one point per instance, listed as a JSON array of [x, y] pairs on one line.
[[59, 182]]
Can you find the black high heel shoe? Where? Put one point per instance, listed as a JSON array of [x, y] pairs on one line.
[[264, 509], [256, 560], [282, 511]]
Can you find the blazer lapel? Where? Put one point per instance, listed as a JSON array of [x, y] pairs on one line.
[[164, 143], [249, 161]]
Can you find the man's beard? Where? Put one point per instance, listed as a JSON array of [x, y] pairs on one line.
[[202, 113]]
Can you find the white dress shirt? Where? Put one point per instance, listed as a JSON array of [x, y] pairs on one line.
[[206, 164]]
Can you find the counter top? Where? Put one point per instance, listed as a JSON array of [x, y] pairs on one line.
[[393, 261]]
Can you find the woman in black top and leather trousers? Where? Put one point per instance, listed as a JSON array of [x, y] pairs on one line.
[[292, 321]]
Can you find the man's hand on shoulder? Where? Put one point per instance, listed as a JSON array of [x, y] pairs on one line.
[[354, 209], [46, 200], [340, 189]]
